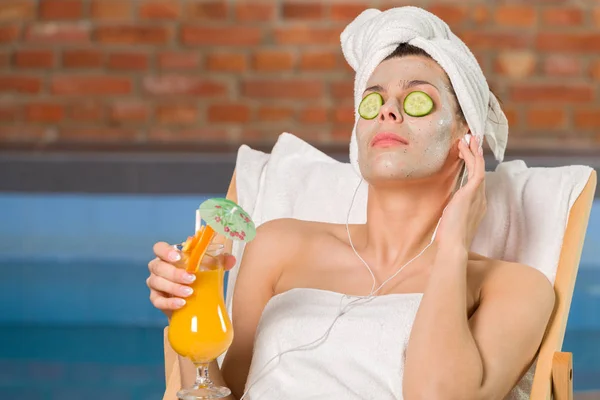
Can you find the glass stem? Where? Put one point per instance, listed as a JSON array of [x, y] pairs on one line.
[[202, 378]]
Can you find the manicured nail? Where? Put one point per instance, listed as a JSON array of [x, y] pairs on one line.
[[189, 278], [179, 303], [174, 256], [187, 291]]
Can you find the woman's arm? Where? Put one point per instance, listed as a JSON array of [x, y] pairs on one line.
[[452, 357]]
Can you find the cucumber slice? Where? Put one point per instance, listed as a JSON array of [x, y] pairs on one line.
[[370, 105], [418, 104]]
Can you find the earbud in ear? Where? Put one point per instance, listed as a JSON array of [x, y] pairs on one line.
[[467, 138]]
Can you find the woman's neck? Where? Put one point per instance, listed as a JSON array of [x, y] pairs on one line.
[[401, 220]]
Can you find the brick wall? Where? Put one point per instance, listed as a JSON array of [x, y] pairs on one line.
[[92, 72]]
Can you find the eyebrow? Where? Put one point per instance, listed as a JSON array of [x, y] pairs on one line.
[[405, 85]]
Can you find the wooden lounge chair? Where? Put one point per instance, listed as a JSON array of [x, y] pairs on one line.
[[554, 371]]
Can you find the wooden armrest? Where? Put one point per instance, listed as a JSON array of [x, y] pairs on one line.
[[562, 376]]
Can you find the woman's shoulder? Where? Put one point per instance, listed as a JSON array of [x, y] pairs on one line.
[[500, 277], [297, 229]]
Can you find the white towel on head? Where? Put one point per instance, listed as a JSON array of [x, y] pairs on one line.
[[374, 35]]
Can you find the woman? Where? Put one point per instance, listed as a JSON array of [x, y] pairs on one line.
[[450, 324]]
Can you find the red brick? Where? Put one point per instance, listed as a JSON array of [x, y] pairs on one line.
[[159, 9], [5, 58], [221, 36], [546, 118], [572, 93], [484, 40], [10, 112], [302, 10], [516, 64], [480, 14], [182, 85], [255, 11], [342, 90], [44, 112], [133, 34], [9, 33], [596, 16], [386, 5], [288, 88], [20, 84], [187, 135], [128, 61], [17, 10], [86, 111], [98, 135], [515, 16], [318, 60], [90, 85], [341, 135], [595, 70], [207, 10], [61, 9], [178, 114], [307, 35], [34, 59], [127, 111], [562, 16], [347, 11], [111, 10], [587, 118], [180, 61], [234, 113], [569, 42], [63, 33], [451, 14], [23, 133], [559, 65], [344, 115], [274, 113], [273, 60], [512, 115], [84, 58], [226, 62], [314, 115]]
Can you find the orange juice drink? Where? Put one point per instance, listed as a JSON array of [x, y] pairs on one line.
[[201, 330]]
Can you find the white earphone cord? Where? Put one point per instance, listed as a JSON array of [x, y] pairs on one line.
[[365, 299]]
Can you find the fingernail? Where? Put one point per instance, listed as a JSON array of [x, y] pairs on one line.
[[174, 256], [179, 303], [481, 151], [187, 291], [189, 278]]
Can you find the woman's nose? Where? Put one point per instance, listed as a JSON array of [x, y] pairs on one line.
[[390, 112]]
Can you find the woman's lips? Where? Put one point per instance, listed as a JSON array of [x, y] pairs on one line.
[[388, 139]]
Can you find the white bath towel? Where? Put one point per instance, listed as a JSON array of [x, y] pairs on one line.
[[374, 35]]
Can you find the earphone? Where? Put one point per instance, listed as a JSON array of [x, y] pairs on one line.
[[359, 299]]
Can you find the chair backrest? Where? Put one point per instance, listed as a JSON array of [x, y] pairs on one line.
[[564, 284]]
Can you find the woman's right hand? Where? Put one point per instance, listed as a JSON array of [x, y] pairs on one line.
[[168, 281]]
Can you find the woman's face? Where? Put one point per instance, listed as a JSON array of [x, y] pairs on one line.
[[425, 142]]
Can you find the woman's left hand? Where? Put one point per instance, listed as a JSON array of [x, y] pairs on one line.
[[467, 207]]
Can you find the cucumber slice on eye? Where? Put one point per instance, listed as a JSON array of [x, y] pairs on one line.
[[370, 105], [418, 104]]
